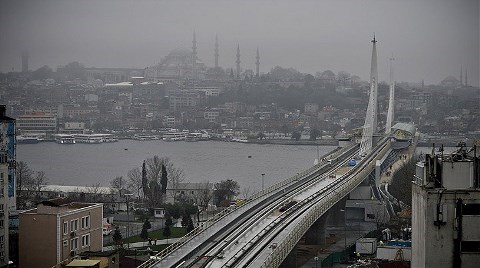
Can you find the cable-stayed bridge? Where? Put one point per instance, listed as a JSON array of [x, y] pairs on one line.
[[267, 226]]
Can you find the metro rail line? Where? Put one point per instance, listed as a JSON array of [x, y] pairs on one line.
[[260, 204]]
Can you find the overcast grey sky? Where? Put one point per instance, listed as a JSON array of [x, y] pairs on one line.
[[429, 38]]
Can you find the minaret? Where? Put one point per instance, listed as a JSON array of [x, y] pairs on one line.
[[466, 78], [461, 76], [194, 55], [370, 125], [391, 100], [216, 51], [257, 63], [238, 61]]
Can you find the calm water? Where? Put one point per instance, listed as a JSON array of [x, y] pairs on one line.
[[86, 164]]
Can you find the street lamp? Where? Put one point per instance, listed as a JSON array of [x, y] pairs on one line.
[[263, 175], [316, 261], [128, 217]]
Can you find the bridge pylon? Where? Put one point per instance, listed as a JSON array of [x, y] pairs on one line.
[[370, 126]]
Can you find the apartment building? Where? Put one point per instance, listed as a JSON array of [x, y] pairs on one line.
[[58, 230]]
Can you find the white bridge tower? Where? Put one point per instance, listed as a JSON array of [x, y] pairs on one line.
[[370, 125], [391, 100]]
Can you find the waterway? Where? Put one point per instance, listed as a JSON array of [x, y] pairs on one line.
[[87, 164]]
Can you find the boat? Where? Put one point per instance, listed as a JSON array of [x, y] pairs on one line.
[[144, 137], [174, 136], [64, 139], [194, 136], [94, 138], [28, 139]]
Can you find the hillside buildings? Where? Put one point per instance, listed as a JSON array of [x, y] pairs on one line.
[[446, 210]]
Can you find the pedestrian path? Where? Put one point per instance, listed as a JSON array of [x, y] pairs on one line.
[[144, 244]]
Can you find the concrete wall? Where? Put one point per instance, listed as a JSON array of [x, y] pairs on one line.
[[433, 245], [37, 240]]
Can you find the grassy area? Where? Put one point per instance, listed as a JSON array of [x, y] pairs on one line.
[[158, 234]]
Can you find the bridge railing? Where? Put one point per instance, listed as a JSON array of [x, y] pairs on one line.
[[335, 192]]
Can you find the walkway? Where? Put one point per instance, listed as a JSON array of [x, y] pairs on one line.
[[144, 243]]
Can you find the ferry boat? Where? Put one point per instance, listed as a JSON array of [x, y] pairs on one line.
[[94, 138], [145, 137], [174, 136], [64, 139], [195, 136], [28, 139]]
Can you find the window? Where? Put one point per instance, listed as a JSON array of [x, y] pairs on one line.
[[65, 227], [471, 209], [74, 243], [1, 207], [76, 224], [85, 222], [71, 226], [86, 240], [65, 243]]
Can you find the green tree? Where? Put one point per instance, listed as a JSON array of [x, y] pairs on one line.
[[190, 226], [225, 192], [166, 231], [144, 233], [296, 135], [147, 225], [117, 237], [314, 133]]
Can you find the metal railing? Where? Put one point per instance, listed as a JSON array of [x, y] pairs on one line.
[[335, 192]]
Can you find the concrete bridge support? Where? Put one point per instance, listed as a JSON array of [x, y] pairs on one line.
[[316, 234], [291, 260], [337, 216]]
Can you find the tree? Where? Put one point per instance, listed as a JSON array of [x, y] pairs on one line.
[[39, 183], [164, 179], [314, 133], [144, 233], [154, 173], [145, 227], [225, 192], [245, 192], [296, 135], [260, 136], [117, 237], [118, 184], [135, 180], [24, 176], [93, 192], [190, 226], [167, 232]]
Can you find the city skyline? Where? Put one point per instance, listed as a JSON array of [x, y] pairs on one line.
[[430, 39]]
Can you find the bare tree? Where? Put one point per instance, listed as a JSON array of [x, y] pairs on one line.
[[118, 184], [135, 181], [23, 174], [39, 183], [94, 192], [245, 192], [153, 187]]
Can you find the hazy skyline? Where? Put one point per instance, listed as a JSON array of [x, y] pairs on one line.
[[430, 39]]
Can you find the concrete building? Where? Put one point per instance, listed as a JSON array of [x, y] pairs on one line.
[[58, 230], [8, 156], [34, 123], [446, 210]]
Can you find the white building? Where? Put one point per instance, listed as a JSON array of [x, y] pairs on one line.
[[446, 211]]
